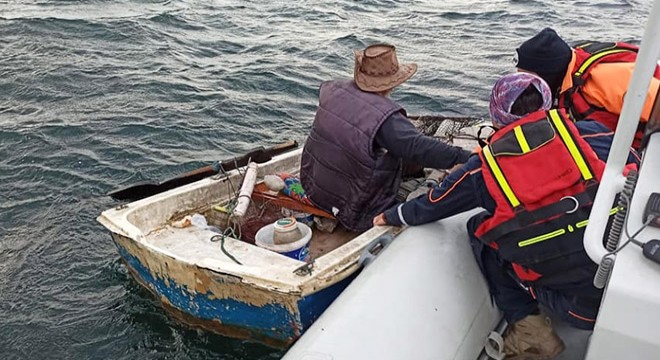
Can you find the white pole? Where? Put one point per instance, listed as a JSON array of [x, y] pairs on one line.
[[613, 180], [245, 194]]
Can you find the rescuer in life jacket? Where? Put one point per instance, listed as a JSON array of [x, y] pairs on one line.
[[590, 80], [536, 178]]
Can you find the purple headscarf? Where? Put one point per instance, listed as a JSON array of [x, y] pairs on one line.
[[507, 90]]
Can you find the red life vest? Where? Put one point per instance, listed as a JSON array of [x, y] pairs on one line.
[[587, 56], [543, 177]]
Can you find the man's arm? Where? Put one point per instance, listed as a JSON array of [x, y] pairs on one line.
[[400, 137], [457, 193]]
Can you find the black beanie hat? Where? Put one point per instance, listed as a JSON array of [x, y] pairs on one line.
[[545, 53]]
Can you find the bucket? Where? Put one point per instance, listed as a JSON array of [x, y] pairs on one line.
[[298, 250]]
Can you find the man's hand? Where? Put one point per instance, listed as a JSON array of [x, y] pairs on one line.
[[379, 220]]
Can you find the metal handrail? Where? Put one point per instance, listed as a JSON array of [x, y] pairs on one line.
[[633, 102]]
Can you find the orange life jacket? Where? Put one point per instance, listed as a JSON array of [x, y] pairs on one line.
[[543, 178], [587, 56]]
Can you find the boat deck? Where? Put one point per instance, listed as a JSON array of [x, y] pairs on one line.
[[194, 245]]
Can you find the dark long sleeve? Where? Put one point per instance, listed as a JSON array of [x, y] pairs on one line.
[[462, 190], [400, 137], [465, 189], [600, 139]]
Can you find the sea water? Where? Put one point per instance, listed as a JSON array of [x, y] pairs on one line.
[[96, 94]]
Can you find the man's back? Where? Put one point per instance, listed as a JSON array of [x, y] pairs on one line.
[[341, 170]]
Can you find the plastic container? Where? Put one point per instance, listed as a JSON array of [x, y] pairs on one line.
[[298, 250], [286, 231], [199, 221]]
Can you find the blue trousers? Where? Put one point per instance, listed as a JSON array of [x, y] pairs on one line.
[[577, 303]]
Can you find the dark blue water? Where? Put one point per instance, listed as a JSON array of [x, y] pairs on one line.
[[98, 94]]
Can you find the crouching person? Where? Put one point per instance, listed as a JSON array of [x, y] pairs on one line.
[[537, 179]]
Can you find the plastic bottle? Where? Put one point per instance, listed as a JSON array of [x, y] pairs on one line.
[[199, 221]]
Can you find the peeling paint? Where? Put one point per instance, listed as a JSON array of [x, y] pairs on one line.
[[258, 321], [270, 323], [263, 299], [204, 281]]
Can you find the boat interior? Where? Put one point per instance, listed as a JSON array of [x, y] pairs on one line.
[[239, 236], [213, 200], [228, 245]]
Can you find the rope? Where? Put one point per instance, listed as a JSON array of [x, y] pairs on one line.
[[234, 230], [221, 238]]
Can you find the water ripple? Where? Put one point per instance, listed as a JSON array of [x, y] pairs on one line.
[[95, 95]]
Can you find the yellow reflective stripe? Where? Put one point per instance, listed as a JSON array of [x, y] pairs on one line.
[[570, 144], [584, 223], [524, 146], [499, 177], [540, 238], [559, 232], [590, 60]]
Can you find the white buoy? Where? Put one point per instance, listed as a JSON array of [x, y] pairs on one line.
[[245, 194]]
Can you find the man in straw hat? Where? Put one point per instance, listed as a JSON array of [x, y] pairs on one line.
[[352, 161]]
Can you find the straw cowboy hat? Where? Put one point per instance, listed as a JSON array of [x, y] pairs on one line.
[[377, 68]]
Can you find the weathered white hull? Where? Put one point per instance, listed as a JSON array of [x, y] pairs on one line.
[[267, 297]]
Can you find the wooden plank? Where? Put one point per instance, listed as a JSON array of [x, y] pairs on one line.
[[261, 192]]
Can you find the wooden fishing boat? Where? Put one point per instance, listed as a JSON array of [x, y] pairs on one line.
[[232, 286], [226, 283]]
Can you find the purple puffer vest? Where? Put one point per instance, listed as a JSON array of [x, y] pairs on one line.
[[341, 168]]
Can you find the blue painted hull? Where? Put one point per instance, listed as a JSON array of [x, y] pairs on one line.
[[279, 320]]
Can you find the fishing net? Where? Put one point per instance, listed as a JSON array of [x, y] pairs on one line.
[[446, 128], [259, 214]]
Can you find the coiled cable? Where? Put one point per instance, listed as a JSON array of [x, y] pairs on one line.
[[619, 218]]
